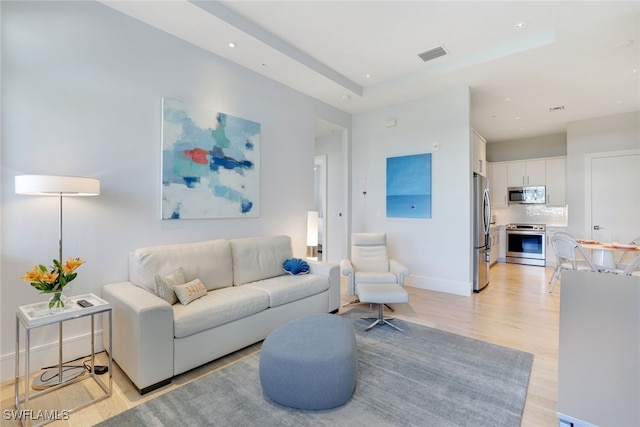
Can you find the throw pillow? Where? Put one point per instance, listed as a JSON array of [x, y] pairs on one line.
[[190, 291], [165, 285], [295, 266]]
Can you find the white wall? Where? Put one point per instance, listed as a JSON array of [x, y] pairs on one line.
[[82, 90], [527, 148], [603, 134], [437, 250]]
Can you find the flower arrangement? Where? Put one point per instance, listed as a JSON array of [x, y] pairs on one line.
[[54, 280]]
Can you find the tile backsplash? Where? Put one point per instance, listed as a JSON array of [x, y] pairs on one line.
[[552, 216]]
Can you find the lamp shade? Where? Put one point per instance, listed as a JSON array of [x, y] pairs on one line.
[[51, 185], [312, 228]]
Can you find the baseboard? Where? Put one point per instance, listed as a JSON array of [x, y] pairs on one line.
[[439, 285], [152, 387], [47, 354]]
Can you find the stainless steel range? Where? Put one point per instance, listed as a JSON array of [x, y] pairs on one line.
[[526, 244]]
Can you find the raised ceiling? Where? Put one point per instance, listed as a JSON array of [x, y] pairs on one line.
[[571, 60]]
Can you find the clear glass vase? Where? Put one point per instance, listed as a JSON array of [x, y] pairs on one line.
[[57, 302]]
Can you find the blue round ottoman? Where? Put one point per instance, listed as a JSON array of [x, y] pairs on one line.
[[310, 363]]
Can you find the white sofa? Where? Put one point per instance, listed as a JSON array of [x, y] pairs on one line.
[[248, 295]]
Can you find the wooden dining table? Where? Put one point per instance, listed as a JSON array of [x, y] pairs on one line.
[[603, 254]]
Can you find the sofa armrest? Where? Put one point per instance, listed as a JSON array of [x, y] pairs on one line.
[[399, 270], [332, 273], [142, 334], [346, 269]]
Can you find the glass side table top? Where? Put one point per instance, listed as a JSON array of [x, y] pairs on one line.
[[37, 314]]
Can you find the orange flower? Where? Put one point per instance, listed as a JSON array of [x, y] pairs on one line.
[[33, 275], [49, 277], [71, 264]]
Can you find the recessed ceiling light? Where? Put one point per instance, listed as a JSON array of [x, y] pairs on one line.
[[368, 76], [232, 44], [635, 71], [516, 118], [507, 99], [346, 97], [520, 25], [558, 108]]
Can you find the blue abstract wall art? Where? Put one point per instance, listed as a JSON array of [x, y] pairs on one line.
[[409, 186], [210, 164]]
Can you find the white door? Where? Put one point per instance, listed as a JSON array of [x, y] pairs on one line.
[[615, 196]]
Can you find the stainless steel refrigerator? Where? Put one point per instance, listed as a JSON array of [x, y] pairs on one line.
[[481, 242]]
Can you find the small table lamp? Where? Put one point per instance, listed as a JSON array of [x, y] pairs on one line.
[[50, 185], [312, 235]]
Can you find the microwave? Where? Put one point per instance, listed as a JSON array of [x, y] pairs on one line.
[[527, 195]]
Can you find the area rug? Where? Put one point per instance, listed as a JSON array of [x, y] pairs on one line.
[[419, 377]]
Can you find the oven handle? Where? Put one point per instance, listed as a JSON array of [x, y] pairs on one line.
[[527, 232]]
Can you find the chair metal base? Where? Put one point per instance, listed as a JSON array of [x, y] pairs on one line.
[[555, 277], [357, 301], [380, 320]]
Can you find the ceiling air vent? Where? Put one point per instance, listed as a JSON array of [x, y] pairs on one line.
[[434, 53]]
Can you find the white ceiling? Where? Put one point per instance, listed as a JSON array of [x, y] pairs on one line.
[[583, 56]]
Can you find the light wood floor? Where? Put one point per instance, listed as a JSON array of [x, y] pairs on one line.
[[515, 311]]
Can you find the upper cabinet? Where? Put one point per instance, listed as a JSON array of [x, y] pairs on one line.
[[548, 172], [479, 148], [556, 179], [530, 172], [498, 184]]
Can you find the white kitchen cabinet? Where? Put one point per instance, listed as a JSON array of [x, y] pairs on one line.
[[550, 172], [495, 241], [550, 255], [555, 172], [479, 147], [529, 172], [498, 184]]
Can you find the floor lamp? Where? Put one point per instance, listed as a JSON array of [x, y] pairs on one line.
[[50, 185]]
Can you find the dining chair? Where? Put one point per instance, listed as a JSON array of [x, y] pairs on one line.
[[630, 269], [620, 264], [569, 255]]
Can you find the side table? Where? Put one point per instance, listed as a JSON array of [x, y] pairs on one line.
[[33, 316]]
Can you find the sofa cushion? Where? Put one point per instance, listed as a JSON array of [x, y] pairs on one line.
[[295, 266], [165, 285], [259, 258], [209, 261], [190, 291], [370, 277], [217, 308], [286, 288]]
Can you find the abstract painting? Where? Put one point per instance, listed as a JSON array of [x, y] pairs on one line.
[[409, 186], [210, 164]]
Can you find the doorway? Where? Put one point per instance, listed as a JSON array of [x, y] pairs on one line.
[[331, 190], [320, 185], [612, 196]]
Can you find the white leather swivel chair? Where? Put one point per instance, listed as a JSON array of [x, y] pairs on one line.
[[569, 255], [371, 266]]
